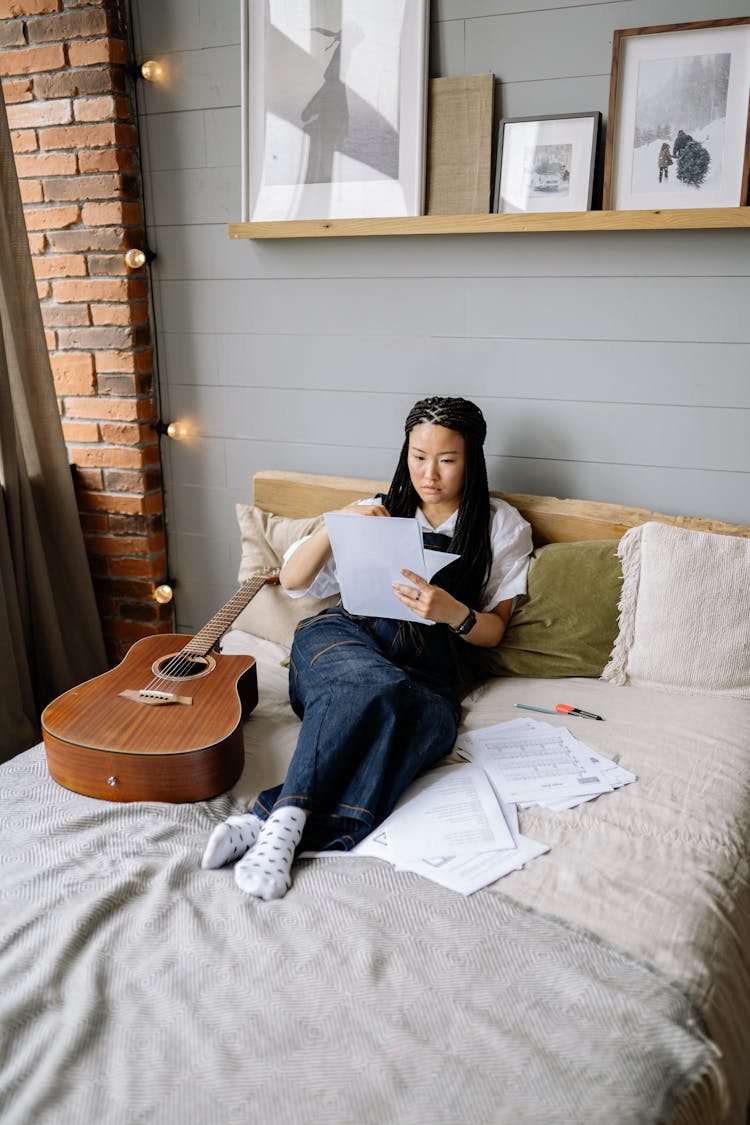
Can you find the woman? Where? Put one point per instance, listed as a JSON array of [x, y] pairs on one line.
[[377, 696]]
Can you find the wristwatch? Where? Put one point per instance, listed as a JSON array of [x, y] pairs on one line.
[[466, 625]]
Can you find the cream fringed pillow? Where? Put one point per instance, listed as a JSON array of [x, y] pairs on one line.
[[272, 614], [684, 612]]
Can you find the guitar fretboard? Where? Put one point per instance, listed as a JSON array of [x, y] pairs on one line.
[[204, 641]]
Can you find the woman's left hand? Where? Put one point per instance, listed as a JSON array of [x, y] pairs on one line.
[[431, 603]]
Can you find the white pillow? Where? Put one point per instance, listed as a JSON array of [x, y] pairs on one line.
[[272, 614], [684, 612]]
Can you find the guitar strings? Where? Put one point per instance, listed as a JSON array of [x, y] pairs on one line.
[[178, 666]]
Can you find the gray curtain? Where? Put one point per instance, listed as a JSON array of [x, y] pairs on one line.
[[50, 633]]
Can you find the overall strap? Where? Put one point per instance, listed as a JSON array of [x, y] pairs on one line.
[[434, 540]]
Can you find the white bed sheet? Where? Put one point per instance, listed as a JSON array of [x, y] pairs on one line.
[[658, 869]]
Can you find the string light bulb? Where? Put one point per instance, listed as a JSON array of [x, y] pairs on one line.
[[135, 258], [163, 593], [151, 70], [170, 429]]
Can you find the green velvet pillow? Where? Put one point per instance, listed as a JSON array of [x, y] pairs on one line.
[[566, 624]]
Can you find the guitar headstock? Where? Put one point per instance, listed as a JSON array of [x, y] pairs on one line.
[[270, 574]]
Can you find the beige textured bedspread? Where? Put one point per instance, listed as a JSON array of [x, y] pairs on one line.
[[658, 868]]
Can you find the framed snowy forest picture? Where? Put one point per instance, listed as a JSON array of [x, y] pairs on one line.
[[333, 108], [677, 134]]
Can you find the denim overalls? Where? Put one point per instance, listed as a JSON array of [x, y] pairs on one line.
[[378, 708]]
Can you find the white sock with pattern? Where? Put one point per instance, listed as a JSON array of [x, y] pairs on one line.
[[231, 839], [264, 871]]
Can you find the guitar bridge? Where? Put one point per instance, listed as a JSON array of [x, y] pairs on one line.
[[153, 698]]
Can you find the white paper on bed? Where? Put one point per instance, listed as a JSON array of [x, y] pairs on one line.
[[469, 873], [448, 811], [370, 553], [464, 874], [532, 762], [616, 775]]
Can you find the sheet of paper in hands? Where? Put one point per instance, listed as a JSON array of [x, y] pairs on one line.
[[370, 552]]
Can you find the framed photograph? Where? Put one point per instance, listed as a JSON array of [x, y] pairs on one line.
[[333, 108], [546, 163], [678, 116]]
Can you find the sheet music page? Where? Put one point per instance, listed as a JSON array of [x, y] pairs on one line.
[[370, 553], [532, 762]]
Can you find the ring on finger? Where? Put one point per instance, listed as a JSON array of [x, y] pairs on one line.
[[417, 597]]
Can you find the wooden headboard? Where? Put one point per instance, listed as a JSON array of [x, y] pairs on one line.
[[553, 521]]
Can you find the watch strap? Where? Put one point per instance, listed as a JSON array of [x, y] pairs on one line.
[[466, 625]]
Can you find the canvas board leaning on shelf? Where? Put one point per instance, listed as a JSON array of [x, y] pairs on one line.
[[678, 116], [459, 145], [333, 108]]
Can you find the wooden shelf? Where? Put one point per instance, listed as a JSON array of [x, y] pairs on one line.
[[697, 218]]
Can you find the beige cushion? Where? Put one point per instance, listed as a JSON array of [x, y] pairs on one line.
[[272, 614], [684, 613]]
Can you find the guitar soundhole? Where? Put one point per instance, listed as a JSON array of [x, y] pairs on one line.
[[183, 666]]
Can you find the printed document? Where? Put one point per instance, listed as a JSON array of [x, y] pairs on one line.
[[370, 552], [462, 872], [468, 873], [533, 763], [462, 832], [451, 810], [609, 770]]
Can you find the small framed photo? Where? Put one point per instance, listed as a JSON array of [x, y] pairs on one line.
[[546, 163], [333, 108], [678, 116]]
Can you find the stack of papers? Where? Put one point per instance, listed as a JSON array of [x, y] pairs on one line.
[[458, 825], [369, 555], [453, 817], [535, 763]]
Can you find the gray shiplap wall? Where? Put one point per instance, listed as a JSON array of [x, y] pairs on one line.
[[610, 366]]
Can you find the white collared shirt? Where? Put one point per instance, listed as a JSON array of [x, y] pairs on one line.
[[510, 543]]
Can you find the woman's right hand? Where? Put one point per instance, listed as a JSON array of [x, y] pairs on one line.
[[357, 509], [300, 569]]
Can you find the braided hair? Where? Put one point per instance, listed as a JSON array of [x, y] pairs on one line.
[[464, 579]]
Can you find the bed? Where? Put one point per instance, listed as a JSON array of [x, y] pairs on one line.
[[606, 981]]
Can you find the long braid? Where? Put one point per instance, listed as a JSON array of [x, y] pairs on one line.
[[464, 579]]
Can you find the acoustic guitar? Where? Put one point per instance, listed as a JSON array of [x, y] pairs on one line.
[[165, 724]]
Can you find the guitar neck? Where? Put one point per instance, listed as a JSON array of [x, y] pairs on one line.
[[204, 641]]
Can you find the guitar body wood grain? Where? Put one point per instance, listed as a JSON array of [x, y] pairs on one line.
[[104, 745]]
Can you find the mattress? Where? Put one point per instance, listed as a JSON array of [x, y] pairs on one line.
[[659, 869], [609, 980]]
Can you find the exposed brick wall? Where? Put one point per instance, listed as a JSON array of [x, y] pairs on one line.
[[64, 69]]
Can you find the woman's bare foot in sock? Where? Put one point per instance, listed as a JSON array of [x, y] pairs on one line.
[[264, 871], [231, 839]]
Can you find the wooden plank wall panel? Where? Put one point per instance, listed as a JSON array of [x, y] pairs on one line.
[[194, 139], [569, 42], [567, 95], [391, 306], [569, 307], [516, 427], [610, 366], [188, 25], [203, 252], [563, 370]]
